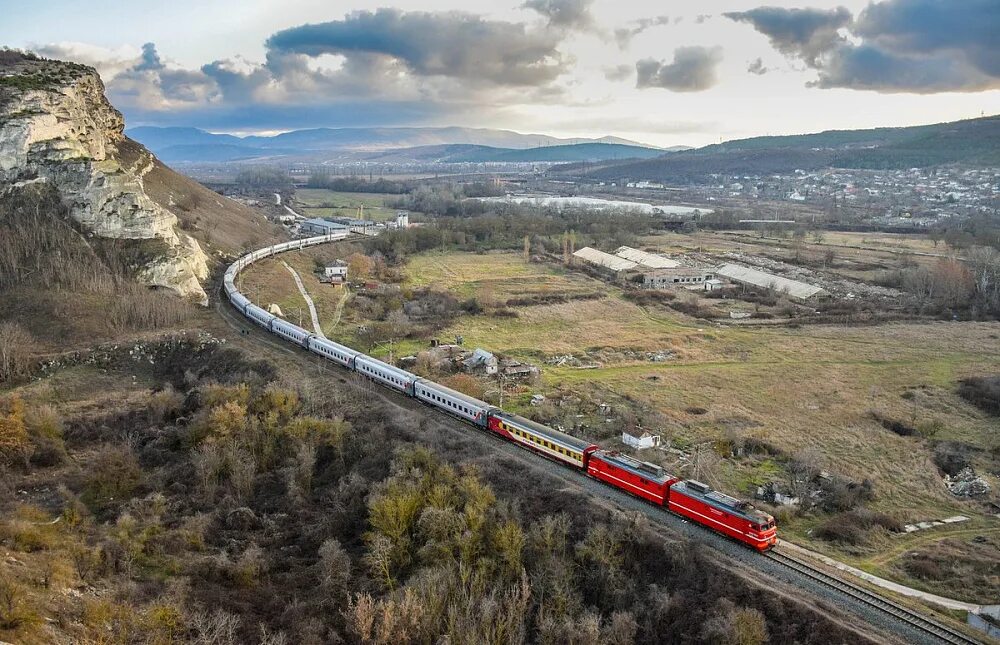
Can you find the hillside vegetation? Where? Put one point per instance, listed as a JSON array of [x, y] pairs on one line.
[[973, 142], [182, 493], [60, 287]]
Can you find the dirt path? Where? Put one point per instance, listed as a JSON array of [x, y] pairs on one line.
[[308, 299], [340, 308]]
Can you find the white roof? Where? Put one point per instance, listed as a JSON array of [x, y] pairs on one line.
[[649, 260], [794, 288], [605, 260]]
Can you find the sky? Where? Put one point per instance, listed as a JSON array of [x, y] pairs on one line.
[[663, 73]]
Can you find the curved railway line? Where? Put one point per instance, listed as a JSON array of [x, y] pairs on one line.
[[908, 624]]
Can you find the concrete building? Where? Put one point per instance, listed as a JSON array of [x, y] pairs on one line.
[[317, 226], [336, 272], [800, 291], [645, 259], [605, 261], [679, 277]]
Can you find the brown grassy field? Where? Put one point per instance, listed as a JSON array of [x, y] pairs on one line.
[[809, 390], [320, 202]]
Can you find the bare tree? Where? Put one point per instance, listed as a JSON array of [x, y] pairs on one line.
[[17, 348]]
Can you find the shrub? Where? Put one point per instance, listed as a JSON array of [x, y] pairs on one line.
[[952, 456], [14, 612], [45, 428], [114, 477], [924, 568], [165, 405], [852, 527], [14, 441], [982, 392], [893, 425]]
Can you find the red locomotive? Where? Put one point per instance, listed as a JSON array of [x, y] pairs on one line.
[[691, 499]]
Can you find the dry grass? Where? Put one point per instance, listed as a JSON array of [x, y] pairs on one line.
[[220, 224], [311, 201], [269, 282], [802, 390]]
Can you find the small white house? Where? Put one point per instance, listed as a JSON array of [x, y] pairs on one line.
[[641, 443], [336, 272]]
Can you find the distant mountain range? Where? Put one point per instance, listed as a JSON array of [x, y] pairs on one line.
[[399, 144], [973, 142]]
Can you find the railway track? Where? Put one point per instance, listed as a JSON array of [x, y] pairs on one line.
[[928, 629], [872, 599]]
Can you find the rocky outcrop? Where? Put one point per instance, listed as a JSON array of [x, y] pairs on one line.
[[57, 126]]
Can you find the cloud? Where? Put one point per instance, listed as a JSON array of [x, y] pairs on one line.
[[108, 62], [564, 14], [692, 70], [802, 33], [451, 44], [624, 35], [150, 59], [405, 67], [757, 67], [618, 72], [969, 29], [913, 46]]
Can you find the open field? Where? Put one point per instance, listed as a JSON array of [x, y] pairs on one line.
[[269, 282], [806, 391], [320, 202]]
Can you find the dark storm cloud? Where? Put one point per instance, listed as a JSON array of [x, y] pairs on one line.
[[920, 27], [803, 33], [624, 35], [451, 44], [692, 70], [564, 14], [150, 59], [870, 67], [916, 46]]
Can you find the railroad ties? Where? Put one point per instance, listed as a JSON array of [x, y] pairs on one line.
[[943, 632]]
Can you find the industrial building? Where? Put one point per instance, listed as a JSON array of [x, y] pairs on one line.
[[796, 290], [647, 260], [680, 277], [605, 261], [320, 226]]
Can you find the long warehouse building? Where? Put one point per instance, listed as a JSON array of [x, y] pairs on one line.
[[645, 259], [745, 275], [604, 260]]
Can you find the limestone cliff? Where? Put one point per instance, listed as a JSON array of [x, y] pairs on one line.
[[57, 126]]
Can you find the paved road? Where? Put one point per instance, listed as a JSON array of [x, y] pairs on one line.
[[308, 299]]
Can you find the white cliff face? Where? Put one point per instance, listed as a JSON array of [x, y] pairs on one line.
[[70, 135]]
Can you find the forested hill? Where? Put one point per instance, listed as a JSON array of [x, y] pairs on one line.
[[974, 142]]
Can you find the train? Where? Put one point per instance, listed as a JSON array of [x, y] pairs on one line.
[[690, 499]]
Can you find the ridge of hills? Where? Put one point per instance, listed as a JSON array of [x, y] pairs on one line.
[[450, 144], [974, 142]]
